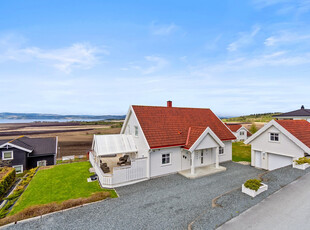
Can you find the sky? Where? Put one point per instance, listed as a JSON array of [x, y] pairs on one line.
[[99, 57]]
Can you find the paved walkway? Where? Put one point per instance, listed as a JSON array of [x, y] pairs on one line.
[[289, 208]]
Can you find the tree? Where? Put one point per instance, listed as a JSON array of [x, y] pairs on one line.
[[253, 128]]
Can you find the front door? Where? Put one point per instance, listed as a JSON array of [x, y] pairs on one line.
[[264, 160]]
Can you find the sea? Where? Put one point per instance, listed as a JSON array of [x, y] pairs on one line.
[[3, 121]]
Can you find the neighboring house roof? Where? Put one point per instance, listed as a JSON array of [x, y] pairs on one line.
[[296, 130], [114, 144], [170, 126], [299, 128], [35, 146], [234, 127], [302, 112]]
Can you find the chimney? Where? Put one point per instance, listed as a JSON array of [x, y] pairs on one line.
[[302, 107], [169, 104]]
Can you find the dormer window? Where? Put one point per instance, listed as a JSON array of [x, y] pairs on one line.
[[136, 131], [241, 133], [274, 137]]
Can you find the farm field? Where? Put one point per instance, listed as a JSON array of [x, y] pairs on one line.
[[74, 138]]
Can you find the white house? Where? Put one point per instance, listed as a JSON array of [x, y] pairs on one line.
[[300, 114], [239, 131], [280, 142], [167, 140]]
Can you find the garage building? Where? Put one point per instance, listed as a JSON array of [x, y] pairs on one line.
[[279, 143]]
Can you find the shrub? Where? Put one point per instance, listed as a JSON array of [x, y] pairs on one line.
[[38, 210], [7, 181], [302, 160], [253, 128], [253, 184]]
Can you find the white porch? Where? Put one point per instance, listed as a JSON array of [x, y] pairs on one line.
[[113, 171], [204, 156], [120, 175], [202, 171]]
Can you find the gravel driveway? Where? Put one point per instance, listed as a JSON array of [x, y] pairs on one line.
[[169, 202]]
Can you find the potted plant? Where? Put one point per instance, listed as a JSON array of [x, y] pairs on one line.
[[253, 187], [301, 163]]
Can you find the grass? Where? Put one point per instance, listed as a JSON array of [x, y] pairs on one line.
[[58, 184], [241, 152], [263, 117]]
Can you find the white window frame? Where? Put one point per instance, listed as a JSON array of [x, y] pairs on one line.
[[38, 162], [241, 133], [166, 155], [221, 151], [7, 151], [136, 131], [275, 135], [22, 168]]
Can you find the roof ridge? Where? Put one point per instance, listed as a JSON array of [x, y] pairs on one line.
[[188, 135], [175, 107]]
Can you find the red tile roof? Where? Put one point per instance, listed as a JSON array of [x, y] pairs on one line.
[[193, 134], [298, 128], [169, 126], [234, 127]]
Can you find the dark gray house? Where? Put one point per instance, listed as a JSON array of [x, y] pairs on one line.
[[300, 114], [25, 153]]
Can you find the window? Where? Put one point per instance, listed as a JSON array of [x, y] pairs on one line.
[[136, 131], [18, 168], [41, 163], [165, 158], [7, 155], [274, 136], [221, 151], [241, 133]]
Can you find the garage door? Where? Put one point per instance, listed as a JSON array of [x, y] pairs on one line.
[[278, 161]]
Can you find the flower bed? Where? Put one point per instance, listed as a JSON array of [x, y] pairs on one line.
[[253, 187], [302, 163]]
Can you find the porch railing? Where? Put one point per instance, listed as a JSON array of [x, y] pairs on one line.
[[122, 174]]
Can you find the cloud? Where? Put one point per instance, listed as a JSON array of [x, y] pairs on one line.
[[285, 38], [76, 56], [243, 40], [157, 63], [279, 59], [163, 29], [285, 6]]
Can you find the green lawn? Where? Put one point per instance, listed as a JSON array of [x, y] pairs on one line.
[[241, 152], [57, 184]]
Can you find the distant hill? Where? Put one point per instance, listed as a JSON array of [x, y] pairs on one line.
[[260, 117], [41, 116]]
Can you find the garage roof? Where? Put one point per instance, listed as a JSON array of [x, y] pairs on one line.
[[113, 144]]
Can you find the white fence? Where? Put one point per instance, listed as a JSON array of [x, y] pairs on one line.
[[121, 175]]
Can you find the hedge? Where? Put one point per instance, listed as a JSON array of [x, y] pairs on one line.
[[7, 181]]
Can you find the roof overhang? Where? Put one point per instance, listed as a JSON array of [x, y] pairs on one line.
[[202, 136], [105, 145], [15, 146]]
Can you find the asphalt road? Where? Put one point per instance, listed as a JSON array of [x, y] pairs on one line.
[[289, 208]]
